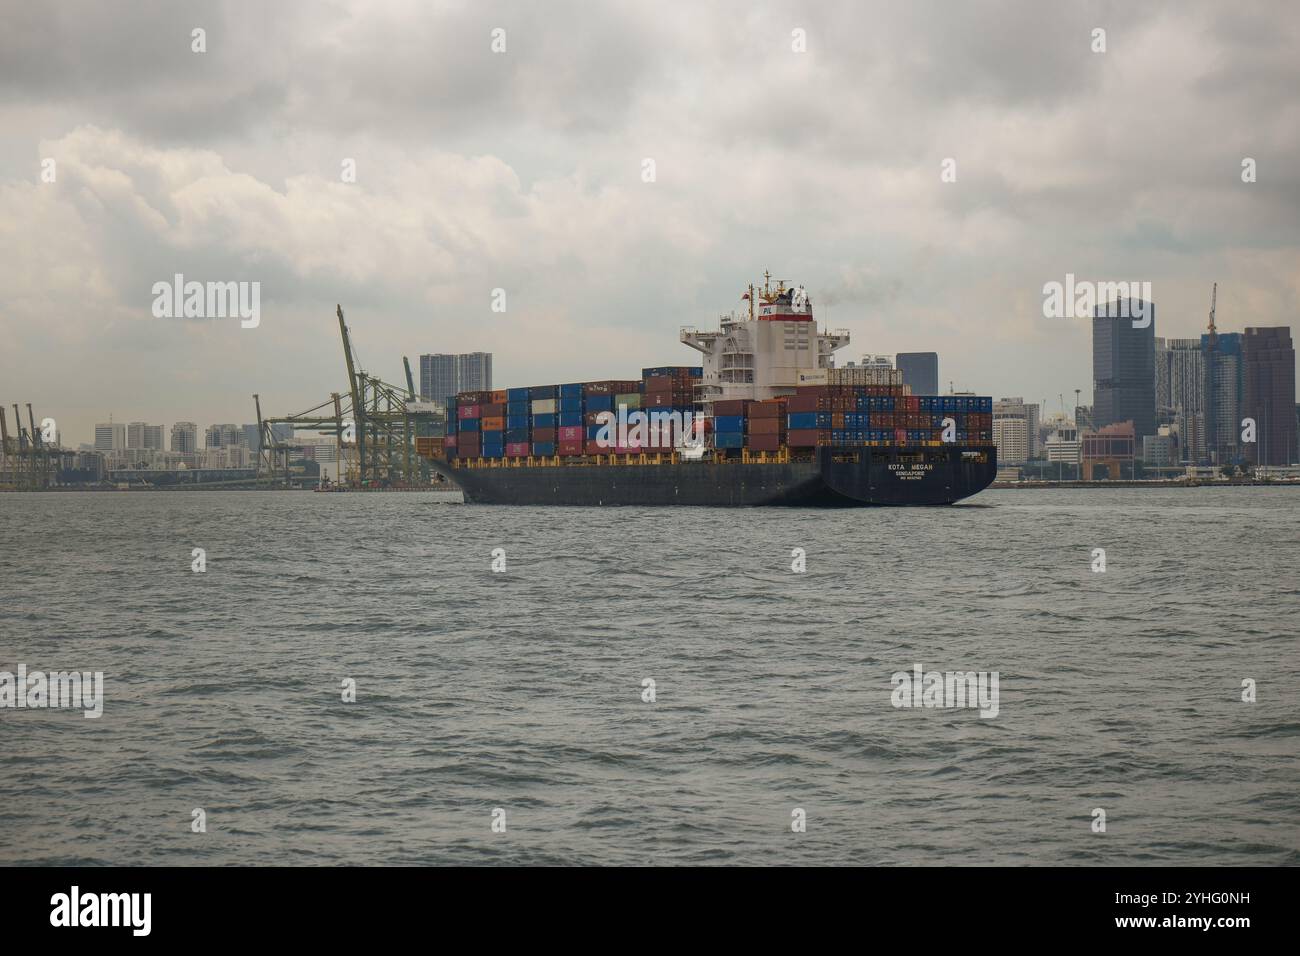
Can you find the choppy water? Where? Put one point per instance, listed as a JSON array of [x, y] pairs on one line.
[[522, 690]]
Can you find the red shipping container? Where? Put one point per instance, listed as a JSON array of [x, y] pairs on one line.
[[734, 406], [570, 433], [804, 403], [770, 409], [467, 411], [494, 410], [766, 426], [763, 442], [658, 399], [900, 436], [570, 447], [543, 434], [802, 438], [518, 449], [449, 441]]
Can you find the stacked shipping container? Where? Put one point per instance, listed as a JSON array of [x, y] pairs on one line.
[[549, 420], [884, 414], [563, 420]]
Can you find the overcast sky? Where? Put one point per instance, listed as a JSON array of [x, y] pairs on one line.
[[522, 170]]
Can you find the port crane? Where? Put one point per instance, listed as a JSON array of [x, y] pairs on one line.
[[372, 422]]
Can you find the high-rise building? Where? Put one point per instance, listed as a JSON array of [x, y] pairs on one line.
[[1268, 395], [1223, 391], [474, 372], [1180, 393], [141, 435], [443, 375], [437, 377], [185, 438], [1015, 430], [252, 438], [110, 436], [224, 436], [920, 370], [1123, 366]]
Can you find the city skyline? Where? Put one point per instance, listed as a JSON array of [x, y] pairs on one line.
[[537, 187]]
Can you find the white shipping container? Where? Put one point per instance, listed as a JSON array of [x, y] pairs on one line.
[[544, 406]]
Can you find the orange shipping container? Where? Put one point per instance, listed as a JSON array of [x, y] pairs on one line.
[[496, 423]]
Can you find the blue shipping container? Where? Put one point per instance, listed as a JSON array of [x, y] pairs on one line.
[[728, 440], [569, 419], [516, 395], [729, 423], [600, 403], [545, 448], [516, 421], [519, 408], [516, 435], [544, 421], [469, 424]]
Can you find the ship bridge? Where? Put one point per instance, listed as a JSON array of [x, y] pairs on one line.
[[766, 353]]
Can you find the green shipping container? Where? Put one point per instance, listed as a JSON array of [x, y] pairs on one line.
[[631, 401]]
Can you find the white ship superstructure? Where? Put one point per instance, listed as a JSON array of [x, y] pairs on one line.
[[768, 353]]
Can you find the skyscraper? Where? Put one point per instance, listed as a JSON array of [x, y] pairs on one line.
[[110, 436], [224, 436], [437, 377], [1180, 393], [1223, 388], [1268, 394], [474, 372], [443, 375], [141, 435], [1123, 367], [185, 438], [1015, 430], [920, 370]]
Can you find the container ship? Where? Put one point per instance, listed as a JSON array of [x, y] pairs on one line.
[[766, 419]]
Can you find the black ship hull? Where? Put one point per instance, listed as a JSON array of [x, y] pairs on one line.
[[835, 477]]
